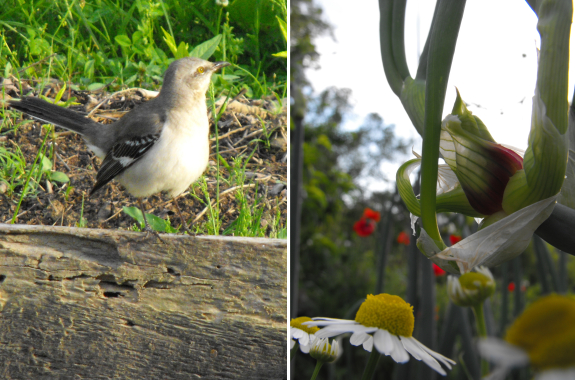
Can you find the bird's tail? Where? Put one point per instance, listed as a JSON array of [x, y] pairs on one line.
[[53, 114]]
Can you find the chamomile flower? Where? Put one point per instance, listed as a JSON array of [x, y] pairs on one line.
[[302, 333], [386, 322], [543, 336]]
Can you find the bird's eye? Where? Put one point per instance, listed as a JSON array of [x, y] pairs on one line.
[[201, 70]]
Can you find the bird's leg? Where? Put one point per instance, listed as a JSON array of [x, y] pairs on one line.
[[148, 229], [184, 224]]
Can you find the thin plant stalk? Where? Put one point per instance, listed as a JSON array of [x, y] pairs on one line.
[[443, 39], [371, 364], [318, 366], [478, 311]]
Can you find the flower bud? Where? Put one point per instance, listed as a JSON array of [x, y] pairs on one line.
[[482, 166], [471, 288]]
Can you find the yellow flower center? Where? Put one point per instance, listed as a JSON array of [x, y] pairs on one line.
[[546, 331], [298, 324], [387, 312]]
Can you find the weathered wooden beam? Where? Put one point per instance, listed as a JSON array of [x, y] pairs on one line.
[[88, 303]]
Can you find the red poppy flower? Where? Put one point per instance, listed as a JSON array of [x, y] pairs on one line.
[[511, 286], [454, 239], [437, 271], [364, 227], [370, 214], [403, 238]]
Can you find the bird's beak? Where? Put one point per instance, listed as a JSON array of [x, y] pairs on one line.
[[219, 65]]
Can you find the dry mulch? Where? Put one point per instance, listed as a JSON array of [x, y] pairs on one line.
[[241, 132]]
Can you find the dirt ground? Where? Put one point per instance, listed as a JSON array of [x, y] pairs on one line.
[[246, 125]]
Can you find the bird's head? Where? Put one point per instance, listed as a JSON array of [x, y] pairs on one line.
[[189, 77]]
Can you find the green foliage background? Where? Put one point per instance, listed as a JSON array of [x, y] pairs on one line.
[[96, 41]]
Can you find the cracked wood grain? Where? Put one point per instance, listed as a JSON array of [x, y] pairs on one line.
[[103, 304]]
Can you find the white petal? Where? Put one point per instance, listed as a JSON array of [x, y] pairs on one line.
[[502, 353], [300, 335], [557, 374], [414, 348], [446, 179], [368, 344], [305, 349], [445, 361], [413, 220], [361, 328], [333, 330], [328, 321], [383, 341], [398, 354], [358, 338], [498, 242], [291, 343], [484, 271]]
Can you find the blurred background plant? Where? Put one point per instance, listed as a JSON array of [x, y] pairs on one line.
[[333, 268]]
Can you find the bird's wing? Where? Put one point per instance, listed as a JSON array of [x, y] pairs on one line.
[[123, 155]]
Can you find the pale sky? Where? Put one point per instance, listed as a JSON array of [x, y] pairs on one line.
[[488, 67]]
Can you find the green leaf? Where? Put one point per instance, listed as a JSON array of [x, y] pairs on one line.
[[283, 27], [412, 97], [95, 86], [404, 186], [169, 40], [157, 224], [123, 40], [182, 51], [59, 177], [46, 164], [135, 213], [453, 200], [60, 94], [207, 48], [38, 46]]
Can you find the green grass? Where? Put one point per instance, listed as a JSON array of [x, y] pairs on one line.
[[112, 45], [89, 44]]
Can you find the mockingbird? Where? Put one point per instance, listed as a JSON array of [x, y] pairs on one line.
[[162, 145]]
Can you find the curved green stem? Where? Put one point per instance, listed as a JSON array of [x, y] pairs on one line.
[[293, 350], [392, 74], [554, 26], [371, 364], [397, 38], [482, 332], [545, 159], [316, 370], [443, 39]]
